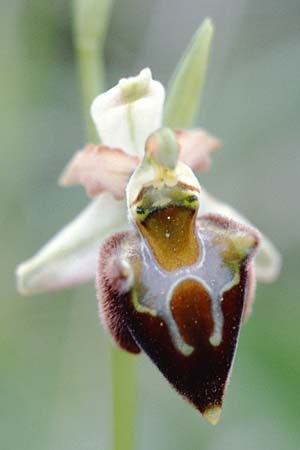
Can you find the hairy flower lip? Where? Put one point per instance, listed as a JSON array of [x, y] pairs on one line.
[[174, 328]]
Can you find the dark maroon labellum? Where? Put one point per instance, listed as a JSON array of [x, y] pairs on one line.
[[186, 317]]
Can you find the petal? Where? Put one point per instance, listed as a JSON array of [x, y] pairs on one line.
[[129, 112], [196, 147], [267, 260], [70, 257], [187, 320], [100, 168]]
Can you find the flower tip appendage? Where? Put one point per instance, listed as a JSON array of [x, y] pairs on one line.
[[213, 414]]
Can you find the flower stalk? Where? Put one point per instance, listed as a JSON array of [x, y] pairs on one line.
[[90, 19], [123, 367]]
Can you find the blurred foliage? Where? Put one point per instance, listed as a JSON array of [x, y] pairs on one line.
[[55, 384]]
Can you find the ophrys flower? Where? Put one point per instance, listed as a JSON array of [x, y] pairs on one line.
[[177, 277]]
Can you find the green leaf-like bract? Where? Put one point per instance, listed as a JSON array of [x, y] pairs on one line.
[[186, 85]]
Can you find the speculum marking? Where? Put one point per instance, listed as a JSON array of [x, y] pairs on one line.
[[209, 277]]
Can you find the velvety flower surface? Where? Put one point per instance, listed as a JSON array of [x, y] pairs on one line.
[[177, 267]]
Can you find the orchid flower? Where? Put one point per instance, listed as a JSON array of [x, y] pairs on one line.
[[177, 268], [123, 123]]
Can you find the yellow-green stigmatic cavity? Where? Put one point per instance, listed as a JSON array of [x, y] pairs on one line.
[[170, 234], [166, 219]]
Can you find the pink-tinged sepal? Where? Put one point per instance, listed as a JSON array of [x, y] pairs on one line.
[[196, 147], [100, 168]]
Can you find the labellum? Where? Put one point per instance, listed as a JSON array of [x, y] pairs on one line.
[[175, 285]]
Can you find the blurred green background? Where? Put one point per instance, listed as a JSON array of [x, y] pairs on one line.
[[54, 361]]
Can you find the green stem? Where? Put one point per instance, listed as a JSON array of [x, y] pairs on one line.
[[90, 20], [124, 399], [90, 24], [91, 73]]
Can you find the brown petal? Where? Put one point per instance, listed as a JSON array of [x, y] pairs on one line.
[[186, 320], [195, 148], [100, 168]]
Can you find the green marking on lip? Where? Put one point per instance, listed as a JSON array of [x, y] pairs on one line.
[[158, 198], [139, 307]]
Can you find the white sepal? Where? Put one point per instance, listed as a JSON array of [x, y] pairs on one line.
[[268, 259], [70, 257], [129, 112]]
